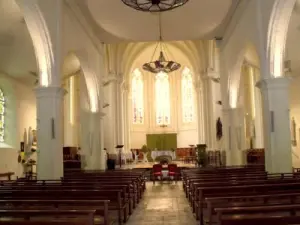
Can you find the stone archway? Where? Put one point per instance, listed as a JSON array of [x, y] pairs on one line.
[[40, 36], [277, 33]]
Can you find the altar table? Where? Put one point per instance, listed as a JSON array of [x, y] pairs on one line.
[[155, 154]]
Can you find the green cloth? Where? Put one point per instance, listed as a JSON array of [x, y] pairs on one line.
[[162, 141]]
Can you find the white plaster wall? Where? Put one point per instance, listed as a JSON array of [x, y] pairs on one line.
[[20, 114]]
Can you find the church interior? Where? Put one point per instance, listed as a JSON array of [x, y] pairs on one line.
[[144, 112]]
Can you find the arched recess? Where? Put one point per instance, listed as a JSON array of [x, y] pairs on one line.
[[277, 34], [249, 54], [188, 55], [81, 106], [40, 37], [245, 96]]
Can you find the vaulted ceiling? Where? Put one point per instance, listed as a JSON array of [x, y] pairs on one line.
[[112, 22], [197, 19]]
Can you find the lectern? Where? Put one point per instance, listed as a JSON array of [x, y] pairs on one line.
[[119, 147]]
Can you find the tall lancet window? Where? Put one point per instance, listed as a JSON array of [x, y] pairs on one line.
[[187, 96], [162, 92], [2, 111], [137, 91]]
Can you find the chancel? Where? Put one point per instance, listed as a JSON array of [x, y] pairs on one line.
[[149, 112]]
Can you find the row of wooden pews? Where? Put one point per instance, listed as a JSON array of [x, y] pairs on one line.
[[83, 197], [242, 196]]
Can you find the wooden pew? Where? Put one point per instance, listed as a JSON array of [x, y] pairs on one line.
[[286, 212], [249, 200], [116, 203], [193, 190], [126, 192], [82, 217], [258, 220], [99, 206], [205, 192]]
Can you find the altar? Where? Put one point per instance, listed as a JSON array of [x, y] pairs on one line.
[[170, 153]]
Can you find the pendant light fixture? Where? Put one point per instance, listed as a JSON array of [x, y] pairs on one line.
[[162, 64], [154, 5]]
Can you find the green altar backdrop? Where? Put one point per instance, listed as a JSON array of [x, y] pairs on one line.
[[162, 141]]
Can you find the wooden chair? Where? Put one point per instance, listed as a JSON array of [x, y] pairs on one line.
[[156, 172], [173, 171]]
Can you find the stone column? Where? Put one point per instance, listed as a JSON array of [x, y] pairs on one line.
[[70, 120], [119, 111], [125, 119], [102, 165], [234, 134], [113, 117], [49, 132], [200, 114], [209, 119], [277, 134]]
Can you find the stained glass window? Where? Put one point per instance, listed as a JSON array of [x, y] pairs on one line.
[[187, 96], [162, 94], [137, 87], [2, 111]]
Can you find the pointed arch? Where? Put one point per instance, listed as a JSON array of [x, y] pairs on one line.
[[277, 34]]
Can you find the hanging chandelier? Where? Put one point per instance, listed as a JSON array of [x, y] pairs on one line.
[[161, 65], [154, 5]]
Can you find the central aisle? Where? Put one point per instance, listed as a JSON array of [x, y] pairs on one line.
[[163, 204]]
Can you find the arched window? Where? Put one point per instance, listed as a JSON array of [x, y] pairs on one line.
[[137, 87], [187, 96], [2, 111], [162, 94]]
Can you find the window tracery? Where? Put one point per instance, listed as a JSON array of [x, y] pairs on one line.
[[162, 95], [187, 96], [137, 86]]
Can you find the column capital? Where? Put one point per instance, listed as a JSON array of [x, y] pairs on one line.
[[42, 92], [274, 83]]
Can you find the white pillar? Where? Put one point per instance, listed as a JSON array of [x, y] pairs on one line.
[[119, 112], [200, 113], [70, 121], [209, 113], [277, 136], [112, 117], [125, 119], [102, 165], [234, 154], [258, 122], [50, 132]]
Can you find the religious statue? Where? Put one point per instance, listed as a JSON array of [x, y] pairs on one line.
[[219, 129]]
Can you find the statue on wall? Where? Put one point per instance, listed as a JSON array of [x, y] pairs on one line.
[[219, 129]]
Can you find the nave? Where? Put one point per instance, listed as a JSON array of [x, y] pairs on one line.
[[214, 195]]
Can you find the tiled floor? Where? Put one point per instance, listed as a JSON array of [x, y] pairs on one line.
[[163, 204]]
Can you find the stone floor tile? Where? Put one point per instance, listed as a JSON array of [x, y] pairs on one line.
[[163, 204]]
